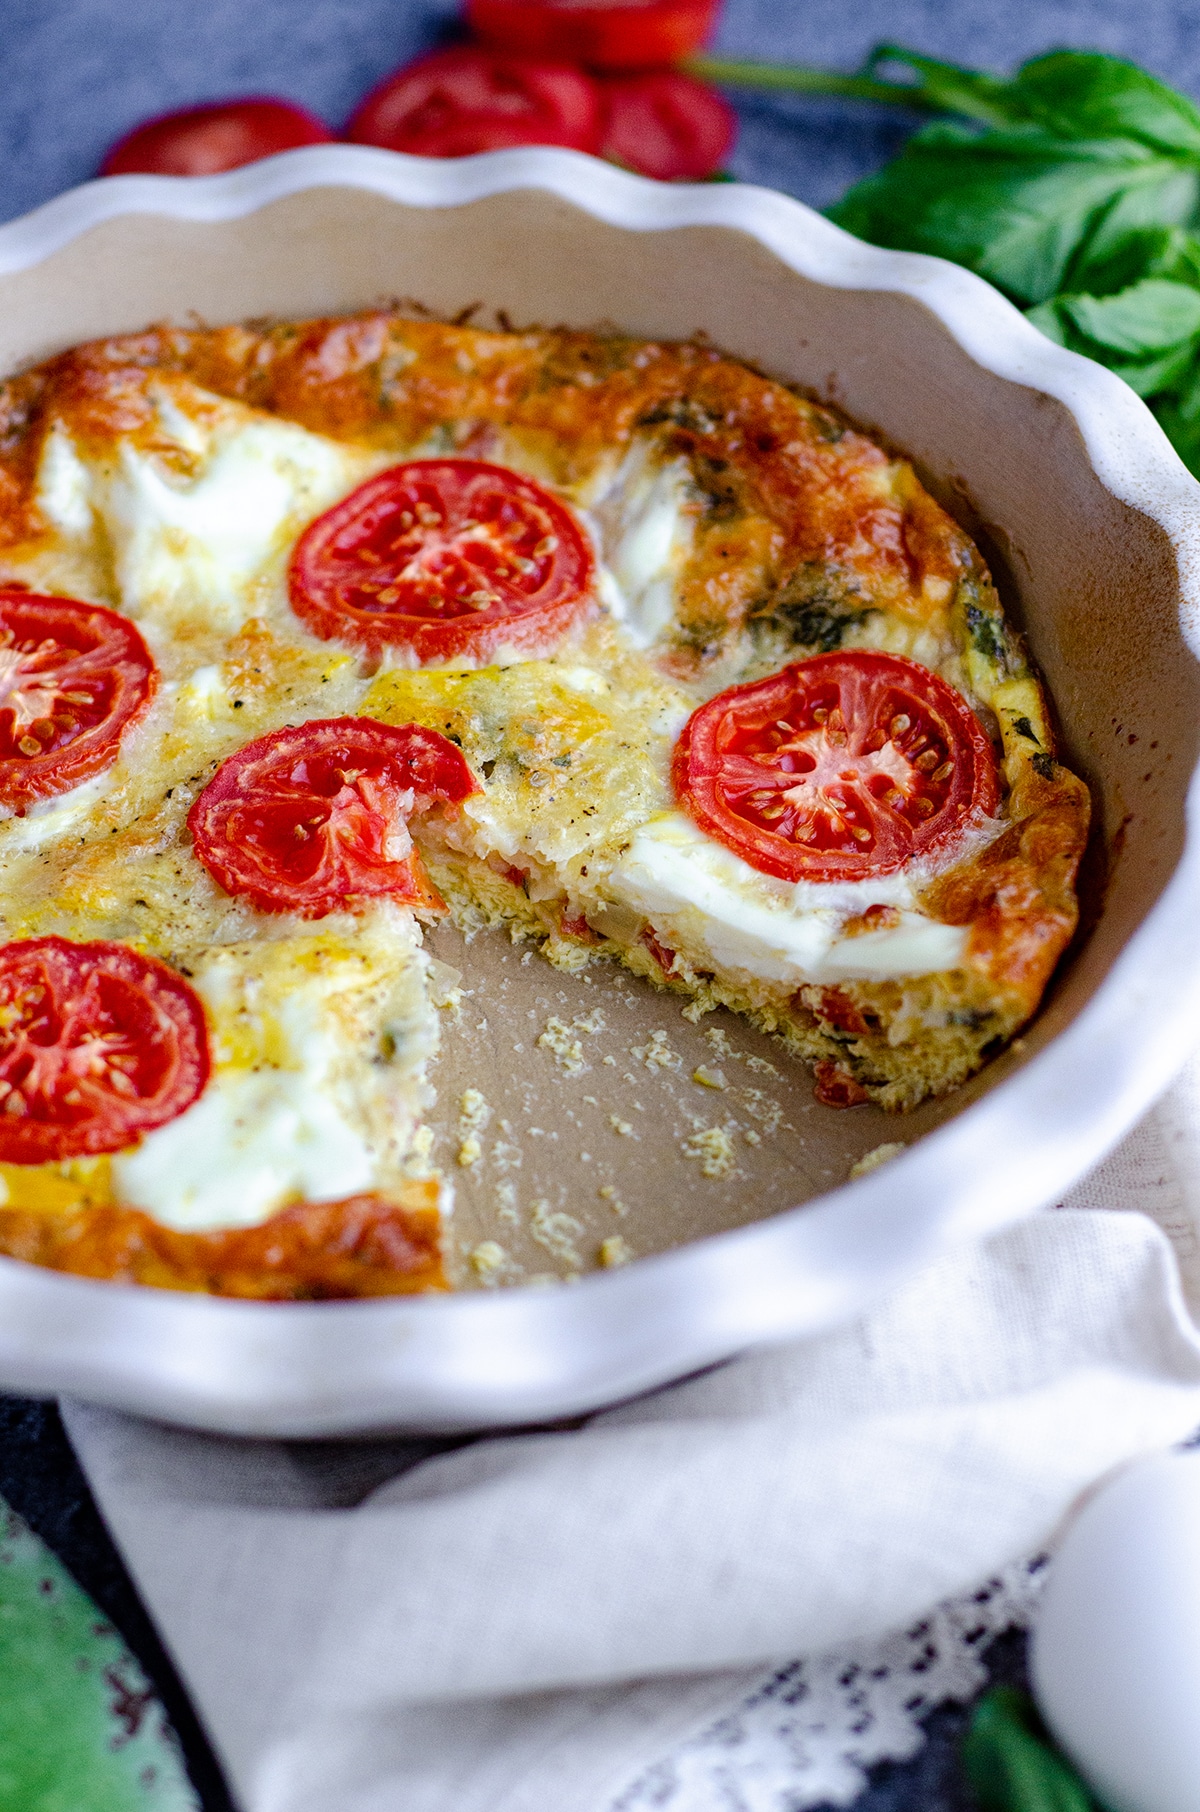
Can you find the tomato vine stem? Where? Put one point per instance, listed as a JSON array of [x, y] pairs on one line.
[[791, 78]]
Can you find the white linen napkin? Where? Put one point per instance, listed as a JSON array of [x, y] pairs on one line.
[[524, 1623]]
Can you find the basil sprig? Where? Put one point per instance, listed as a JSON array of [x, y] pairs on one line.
[[1073, 186], [1011, 1763]]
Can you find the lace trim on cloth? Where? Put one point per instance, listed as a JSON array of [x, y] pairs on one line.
[[807, 1733]]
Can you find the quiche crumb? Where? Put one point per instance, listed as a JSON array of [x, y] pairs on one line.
[[566, 1050], [473, 1117], [557, 1233], [762, 1108], [871, 1160], [656, 1053], [489, 1260], [714, 1147], [614, 1251]]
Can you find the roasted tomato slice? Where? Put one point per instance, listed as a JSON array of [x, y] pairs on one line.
[[204, 140], [838, 768], [619, 34], [98, 1046], [447, 557], [457, 102], [667, 125], [73, 678], [313, 819]]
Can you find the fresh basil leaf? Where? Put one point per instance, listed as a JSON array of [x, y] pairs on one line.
[[1011, 1764], [1047, 319], [1085, 94], [1156, 377], [1014, 206], [1076, 190], [1168, 199], [1112, 261], [1150, 375], [1148, 317]]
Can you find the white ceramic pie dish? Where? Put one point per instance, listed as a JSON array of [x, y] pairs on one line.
[[1095, 526]]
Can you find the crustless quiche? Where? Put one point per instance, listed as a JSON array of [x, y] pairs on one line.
[[311, 632]]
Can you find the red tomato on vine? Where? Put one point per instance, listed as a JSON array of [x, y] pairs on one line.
[[202, 141], [602, 34]]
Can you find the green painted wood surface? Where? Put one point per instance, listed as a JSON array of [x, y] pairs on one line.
[[80, 1728]]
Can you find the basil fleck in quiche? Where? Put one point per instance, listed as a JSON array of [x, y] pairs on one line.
[[312, 632]]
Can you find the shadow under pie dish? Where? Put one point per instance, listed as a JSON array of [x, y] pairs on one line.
[[608, 640]]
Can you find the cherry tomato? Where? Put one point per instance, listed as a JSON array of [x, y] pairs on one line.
[[98, 1046], [603, 34], [838, 768], [204, 140], [73, 678], [667, 125], [311, 819], [457, 102], [449, 557]]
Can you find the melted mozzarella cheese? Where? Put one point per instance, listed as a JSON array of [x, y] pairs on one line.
[[64, 487], [46, 820], [687, 883], [319, 1050], [249, 1146], [646, 531], [199, 520], [206, 539]]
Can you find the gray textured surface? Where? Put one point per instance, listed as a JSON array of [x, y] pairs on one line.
[[75, 74]]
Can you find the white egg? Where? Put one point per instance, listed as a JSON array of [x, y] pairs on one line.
[[1116, 1652]]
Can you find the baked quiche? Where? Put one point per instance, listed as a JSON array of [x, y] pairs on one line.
[[312, 632]]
